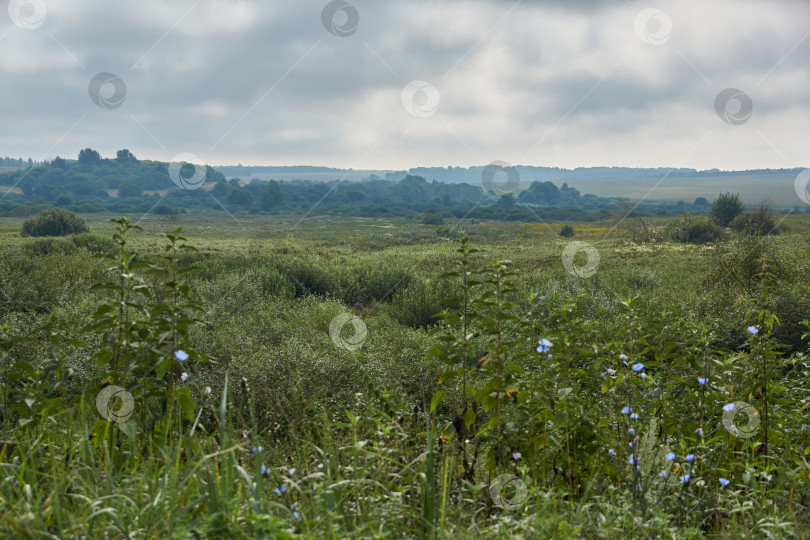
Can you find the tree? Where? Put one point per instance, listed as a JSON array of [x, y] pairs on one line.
[[725, 208], [701, 201], [506, 201], [567, 231], [130, 189], [89, 156], [28, 189], [54, 222], [271, 196], [59, 163], [125, 156], [240, 197]]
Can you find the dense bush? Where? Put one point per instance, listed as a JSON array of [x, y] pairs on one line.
[[54, 222], [757, 223], [691, 229], [725, 208], [567, 231]]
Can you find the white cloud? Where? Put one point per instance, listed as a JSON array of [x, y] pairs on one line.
[[572, 81]]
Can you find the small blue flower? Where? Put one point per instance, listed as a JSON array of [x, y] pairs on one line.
[[611, 452], [626, 410], [544, 345], [700, 432], [631, 444], [265, 470], [257, 450], [296, 515], [643, 376], [631, 431], [724, 482], [729, 407], [663, 474], [516, 456], [690, 458], [281, 489], [634, 416], [622, 357], [670, 456], [753, 329], [702, 381], [548, 358], [685, 478], [181, 355], [638, 367], [633, 459]]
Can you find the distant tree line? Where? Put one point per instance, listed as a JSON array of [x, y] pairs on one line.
[[125, 184]]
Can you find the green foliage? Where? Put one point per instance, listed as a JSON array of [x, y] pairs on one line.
[[54, 222], [757, 223], [272, 429], [725, 208], [691, 229], [567, 231]]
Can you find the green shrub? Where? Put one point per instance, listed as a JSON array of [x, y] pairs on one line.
[[93, 243], [725, 208], [567, 231], [420, 304], [689, 229], [757, 223], [54, 222]]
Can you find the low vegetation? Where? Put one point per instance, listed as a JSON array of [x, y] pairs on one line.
[[390, 382]]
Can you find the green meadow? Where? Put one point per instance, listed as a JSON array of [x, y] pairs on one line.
[[204, 375]]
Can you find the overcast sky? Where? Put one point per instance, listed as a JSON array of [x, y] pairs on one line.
[[575, 83]]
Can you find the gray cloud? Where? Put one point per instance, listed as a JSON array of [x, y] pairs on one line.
[[573, 75]]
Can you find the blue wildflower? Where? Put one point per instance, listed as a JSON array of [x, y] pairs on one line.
[[690, 458], [626, 410], [634, 416], [663, 474], [729, 407], [753, 329], [257, 450], [611, 452], [638, 367], [702, 381], [631, 431], [633, 459], [182, 356], [724, 482], [281, 489], [670, 456], [623, 357], [296, 515], [548, 358], [685, 478], [544, 345], [265, 470]]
